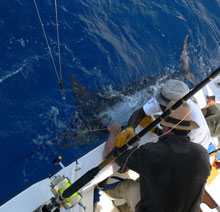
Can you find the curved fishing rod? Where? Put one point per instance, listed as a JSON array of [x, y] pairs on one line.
[[88, 176]]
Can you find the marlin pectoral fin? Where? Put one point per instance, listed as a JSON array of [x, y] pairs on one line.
[[191, 77], [184, 57], [78, 91], [185, 63]]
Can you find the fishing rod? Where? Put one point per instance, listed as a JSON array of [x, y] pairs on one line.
[[88, 176], [71, 196]]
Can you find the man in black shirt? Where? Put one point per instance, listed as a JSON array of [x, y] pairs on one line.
[[173, 171]]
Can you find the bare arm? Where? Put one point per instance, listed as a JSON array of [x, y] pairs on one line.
[[210, 101], [113, 129], [136, 118]]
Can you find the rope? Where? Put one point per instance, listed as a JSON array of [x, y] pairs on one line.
[[113, 184]]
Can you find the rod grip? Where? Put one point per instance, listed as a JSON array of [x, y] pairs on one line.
[[76, 186]]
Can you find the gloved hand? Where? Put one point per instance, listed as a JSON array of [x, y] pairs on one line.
[[146, 121], [124, 137]]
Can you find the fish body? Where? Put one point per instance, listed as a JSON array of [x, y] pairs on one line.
[[97, 109]]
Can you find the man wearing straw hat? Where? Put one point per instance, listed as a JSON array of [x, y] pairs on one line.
[[171, 90], [173, 171]]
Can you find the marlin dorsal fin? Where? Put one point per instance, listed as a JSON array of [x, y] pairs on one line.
[[78, 91]]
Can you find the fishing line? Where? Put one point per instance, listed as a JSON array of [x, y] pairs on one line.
[[58, 40], [63, 95], [95, 130], [48, 46], [54, 141]]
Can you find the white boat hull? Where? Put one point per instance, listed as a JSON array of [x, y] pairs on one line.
[[39, 193]]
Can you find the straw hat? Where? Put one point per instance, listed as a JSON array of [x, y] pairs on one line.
[[180, 117], [171, 90]]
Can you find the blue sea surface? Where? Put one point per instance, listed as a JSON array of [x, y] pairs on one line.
[[110, 47]]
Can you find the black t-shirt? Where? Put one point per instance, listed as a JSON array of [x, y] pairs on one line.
[[172, 171]]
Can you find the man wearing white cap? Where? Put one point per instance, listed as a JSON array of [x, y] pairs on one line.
[[171, 90]]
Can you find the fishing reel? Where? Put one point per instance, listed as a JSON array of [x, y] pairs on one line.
[[58, 186]]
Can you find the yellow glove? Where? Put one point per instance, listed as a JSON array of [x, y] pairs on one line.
[[124, 137], [146, 121]]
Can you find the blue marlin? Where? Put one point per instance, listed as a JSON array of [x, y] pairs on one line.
[[96, 109]]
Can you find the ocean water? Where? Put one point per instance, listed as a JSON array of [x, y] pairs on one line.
[[118, 51]]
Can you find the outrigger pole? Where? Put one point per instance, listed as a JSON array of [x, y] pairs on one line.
[[88, 176]]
